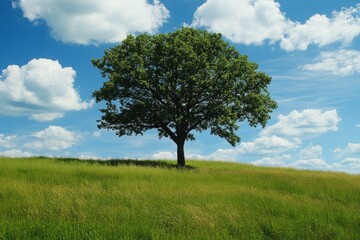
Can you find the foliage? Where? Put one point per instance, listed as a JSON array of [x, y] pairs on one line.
[[184, 81], [56, 199]]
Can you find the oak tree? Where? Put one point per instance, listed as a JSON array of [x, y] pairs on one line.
[[180, 82]]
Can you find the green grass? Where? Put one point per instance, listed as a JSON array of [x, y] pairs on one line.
[[63, 199]]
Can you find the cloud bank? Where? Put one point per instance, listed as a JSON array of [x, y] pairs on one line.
[[280, 144], [278, 140], [16, 153]]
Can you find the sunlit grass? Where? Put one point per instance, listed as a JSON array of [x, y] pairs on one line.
[[64, 199]]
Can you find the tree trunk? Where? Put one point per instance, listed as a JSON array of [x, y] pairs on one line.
[[180, 154]]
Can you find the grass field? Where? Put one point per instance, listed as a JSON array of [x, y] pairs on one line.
[[68, 199]]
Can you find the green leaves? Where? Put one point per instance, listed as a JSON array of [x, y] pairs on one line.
[[187, 80]]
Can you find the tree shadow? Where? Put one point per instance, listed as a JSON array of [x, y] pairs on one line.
[[128, 162]]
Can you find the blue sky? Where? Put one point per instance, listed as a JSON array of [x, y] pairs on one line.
[[310, 48]]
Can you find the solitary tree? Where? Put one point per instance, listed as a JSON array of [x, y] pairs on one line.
[[179, 82]]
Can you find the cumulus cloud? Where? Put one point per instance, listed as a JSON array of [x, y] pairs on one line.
[[242, 21], [309, 121], [7, 141], [226, 155], [85, 156], [220, 155], [54, 138], [284, 137], [42, 89], [311, 152], [349, 165], [311, 158], [268, 145], [343, 26], [313, 164], [278, 144], [308, 157], [350, 149], [255, 21], [260, 146], [352, 163], [342, 62], [97, 134], [310, 164], [92, 21], [277, 161], [164, 155], [281, 138], [15, 153], [264, 145], [285, 161]]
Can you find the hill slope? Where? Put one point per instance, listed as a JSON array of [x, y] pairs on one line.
[[68, 199]]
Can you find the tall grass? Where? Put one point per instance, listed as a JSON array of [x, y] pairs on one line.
[[57, 199]]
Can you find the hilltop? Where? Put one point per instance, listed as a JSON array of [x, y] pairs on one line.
[[44, 198]]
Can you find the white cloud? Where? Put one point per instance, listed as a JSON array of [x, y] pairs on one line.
[[268, 145], [219, 155], [6, 141], [14, 4], [342, 62], [92, 21], [349, 165], [311, 158], [352, 163], [43, 117], [85, 156], [268, 161], [358, 125], [254, 21], [242, 21], [311, 152], [287, 161], [283, 138], [264, 145], [342, 26], [15, 153], [309, 121], [97, 134], [309, 164], [260, 146], [228, 154], [54, 138], [164, 155], [41, 89], [351, 148], [278, 161]]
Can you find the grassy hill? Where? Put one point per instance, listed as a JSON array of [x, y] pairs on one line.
[[69, 199]]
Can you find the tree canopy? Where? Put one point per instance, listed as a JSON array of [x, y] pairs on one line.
[[180, 82]]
